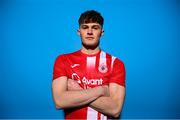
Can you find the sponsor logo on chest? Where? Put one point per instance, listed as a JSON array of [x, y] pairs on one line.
[[86, 81]]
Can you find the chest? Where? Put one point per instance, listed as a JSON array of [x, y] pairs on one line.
[[89, 71]]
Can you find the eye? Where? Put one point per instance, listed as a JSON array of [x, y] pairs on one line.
[[96, 27], [84, 27]]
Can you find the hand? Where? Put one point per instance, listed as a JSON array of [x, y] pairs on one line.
[[73, 85], [105, 90]]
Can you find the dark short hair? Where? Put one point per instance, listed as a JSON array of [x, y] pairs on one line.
[[91, 16]]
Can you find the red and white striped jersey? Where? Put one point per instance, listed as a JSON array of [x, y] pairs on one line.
[[89, 71]]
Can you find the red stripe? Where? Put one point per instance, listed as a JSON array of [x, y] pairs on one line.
[[99, 116]]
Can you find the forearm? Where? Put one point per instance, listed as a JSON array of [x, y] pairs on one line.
[[106, 105], [78, 98], [111, 105]]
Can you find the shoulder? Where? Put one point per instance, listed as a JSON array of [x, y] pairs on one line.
[[113, 58], [115, 61]]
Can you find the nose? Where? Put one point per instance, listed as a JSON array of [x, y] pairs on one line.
[[89, 32]]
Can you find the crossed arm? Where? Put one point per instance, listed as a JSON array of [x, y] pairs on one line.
[[108, 100]]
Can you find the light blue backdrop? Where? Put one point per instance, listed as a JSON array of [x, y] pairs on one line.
[[144, 34]]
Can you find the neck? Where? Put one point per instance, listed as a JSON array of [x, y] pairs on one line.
[[90, 51]]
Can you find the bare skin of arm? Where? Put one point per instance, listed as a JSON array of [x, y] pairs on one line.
[[109, 105], [68, 99]]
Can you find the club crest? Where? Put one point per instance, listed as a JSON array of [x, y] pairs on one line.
[[103, 68]]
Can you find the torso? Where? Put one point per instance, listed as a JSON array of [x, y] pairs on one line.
[[89, 71]]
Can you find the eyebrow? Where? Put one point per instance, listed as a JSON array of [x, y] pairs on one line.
[[84, 25], [96, 26]]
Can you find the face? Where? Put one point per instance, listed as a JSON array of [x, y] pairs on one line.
[[90, 34]]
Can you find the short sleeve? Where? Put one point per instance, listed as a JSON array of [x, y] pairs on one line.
[[59, 67], [118, 73]]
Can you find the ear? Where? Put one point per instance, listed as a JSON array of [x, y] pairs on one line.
[[102, 32], [78, 32]]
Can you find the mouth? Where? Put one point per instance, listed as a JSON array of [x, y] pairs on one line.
[[89, 38]]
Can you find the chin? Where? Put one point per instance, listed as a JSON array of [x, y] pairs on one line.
[[90, 45]]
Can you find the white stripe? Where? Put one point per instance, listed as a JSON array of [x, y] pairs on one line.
[[92, 114], [102, 60], [103, 117], [91, 61], [112, 61]]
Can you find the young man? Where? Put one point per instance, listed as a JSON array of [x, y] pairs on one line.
[[89, 83]]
